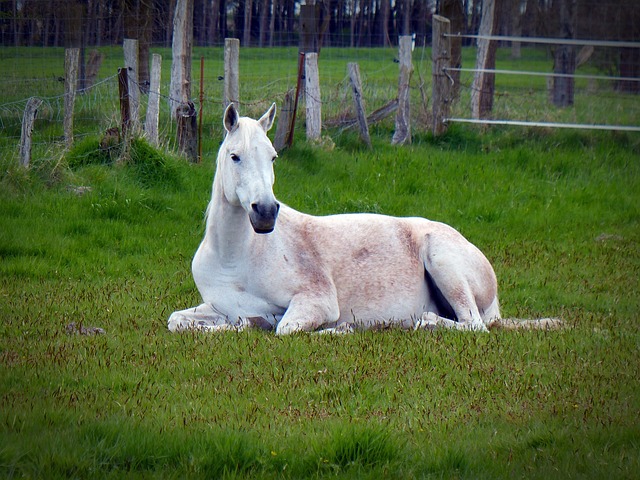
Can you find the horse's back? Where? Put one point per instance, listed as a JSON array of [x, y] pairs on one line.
[[378, 263], [373, 261]]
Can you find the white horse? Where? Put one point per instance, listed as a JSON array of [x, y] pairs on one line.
[[263, 264]]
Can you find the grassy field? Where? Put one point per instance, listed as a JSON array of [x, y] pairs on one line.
[[557, 213]]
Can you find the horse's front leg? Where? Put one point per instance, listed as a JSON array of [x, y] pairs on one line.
[[202, 317], [307, 312]]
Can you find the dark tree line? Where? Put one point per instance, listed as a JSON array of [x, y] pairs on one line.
[[276, 22], [354, 23]]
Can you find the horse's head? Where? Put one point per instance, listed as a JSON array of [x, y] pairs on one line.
[[245, 164]]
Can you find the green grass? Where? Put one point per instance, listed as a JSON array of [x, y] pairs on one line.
[[556, 213]]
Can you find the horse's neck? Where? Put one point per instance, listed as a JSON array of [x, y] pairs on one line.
[[228, 227]]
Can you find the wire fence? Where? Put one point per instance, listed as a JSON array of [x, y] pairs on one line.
[[521, 93], [523, 97]]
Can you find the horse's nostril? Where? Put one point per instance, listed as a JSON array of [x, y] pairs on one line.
[[260, 209]]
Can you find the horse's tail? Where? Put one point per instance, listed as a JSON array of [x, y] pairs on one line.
[[526, 324]]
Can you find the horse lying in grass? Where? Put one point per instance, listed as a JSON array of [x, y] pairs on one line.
[[263, 264]]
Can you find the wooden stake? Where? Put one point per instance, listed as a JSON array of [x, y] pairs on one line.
[[402, 133], [301, 63], [131, 62], [181, 46], [442, 82], [29, 117], [125, 112], [153, 108], [285, 119], [231, 72], [71, 57], [312, 95], [187, 131], [356, 89]]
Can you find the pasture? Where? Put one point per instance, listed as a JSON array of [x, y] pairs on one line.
[[557, 213]]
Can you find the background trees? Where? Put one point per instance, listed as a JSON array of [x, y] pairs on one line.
[[355, 23], [275, 22]]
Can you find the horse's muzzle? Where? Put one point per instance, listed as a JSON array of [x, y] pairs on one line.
[[263, 216]]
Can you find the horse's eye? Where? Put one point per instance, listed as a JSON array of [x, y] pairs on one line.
[[235, 157], [274, 158]]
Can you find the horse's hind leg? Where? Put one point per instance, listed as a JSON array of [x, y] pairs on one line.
[[202, 317], [463, 277]]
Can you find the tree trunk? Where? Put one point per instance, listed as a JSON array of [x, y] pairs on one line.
[[383, 26], [265, 9], [483, 86], [246, 38], [629, 67], [564, 61]]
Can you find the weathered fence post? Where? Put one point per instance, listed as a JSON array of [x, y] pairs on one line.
[[30, 112], [453, 11], [442, 88], [187, 131], [285, 118], [131, 63], [402, 133], [71, 57], [180, 86], [231, 72], [484, 82], [125, 112], [312, 95], [356, 89], [153, 108]]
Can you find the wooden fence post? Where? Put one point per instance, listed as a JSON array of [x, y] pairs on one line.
[[285, 118], [153, 108], [483, 85], [356, 89], [402, 133], [453, 11], [71, 57], [131, 62], [231, 72], [442, 88], [188, 131], [181, 46], [125, 112], [30, 112], [312, 95]]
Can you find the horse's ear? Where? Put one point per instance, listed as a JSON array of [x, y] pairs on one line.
[[266, 121], [231, 118]]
